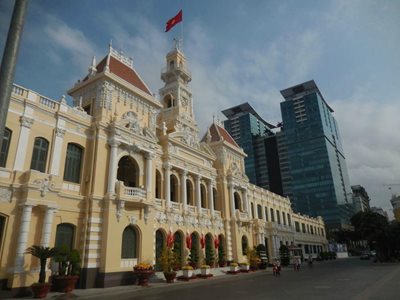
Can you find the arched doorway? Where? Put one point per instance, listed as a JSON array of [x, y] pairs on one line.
[[128, 171], [210, 251], [178, 248], [194, 255], [160, 244]]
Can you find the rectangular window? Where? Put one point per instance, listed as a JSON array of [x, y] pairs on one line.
[[297, 226], [303, 227], [272, 215], [4, 147], [266, 214], [278, 216]]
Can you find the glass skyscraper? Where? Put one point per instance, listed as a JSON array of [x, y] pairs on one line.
[[258, 141], [315, 175]]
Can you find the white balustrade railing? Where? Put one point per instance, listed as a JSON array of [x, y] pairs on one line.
[[204, 211], [159, 202], [217, 213], [48, 102], [134, 192], [191, 209], [18, 90], [176, 206]]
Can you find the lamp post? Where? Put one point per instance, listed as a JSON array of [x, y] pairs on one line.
[[7, 69]]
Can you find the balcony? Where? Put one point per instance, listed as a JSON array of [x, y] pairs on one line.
[[242, 216], [130, 194]]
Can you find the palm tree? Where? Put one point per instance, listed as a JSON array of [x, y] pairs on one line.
[[43, 253]]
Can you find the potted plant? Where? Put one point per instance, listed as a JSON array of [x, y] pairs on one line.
[[41, 289], [252, 258], [210, 255], [193, 257], [233, 267], [244, 267], [205, 270], [187, 271], [167, 262], [68, 269], [143, 273], [221, 256]]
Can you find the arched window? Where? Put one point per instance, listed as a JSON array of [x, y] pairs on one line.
[[173, 188], [4, 147], [39, 154], [65, 235], [73, 163], [189, 192], [128, 171], [203, 195], [129, 243], [245, 244], [237, 201], [158, 184], [168, 101]]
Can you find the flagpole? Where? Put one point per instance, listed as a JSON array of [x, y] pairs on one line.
[[182, 34]]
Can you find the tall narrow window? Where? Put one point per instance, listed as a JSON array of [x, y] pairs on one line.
[[128, 243], [272, 215], [4, 147], [39, 155], [73, 161], [65, 235], [259, 211]]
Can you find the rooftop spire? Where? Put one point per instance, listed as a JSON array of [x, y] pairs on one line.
[[92, 68]]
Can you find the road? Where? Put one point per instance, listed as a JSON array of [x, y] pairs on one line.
[[341, 279]]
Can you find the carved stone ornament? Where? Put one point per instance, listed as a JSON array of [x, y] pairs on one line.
[[26, 122], [60, 132], [5, 194], [43, 185], [132, 220], [120, 209], [161, 217], [132, 122]]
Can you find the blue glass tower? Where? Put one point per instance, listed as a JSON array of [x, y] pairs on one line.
[[258, 141], [319, 183]]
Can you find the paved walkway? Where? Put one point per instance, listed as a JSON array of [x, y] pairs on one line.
[[156, 282]]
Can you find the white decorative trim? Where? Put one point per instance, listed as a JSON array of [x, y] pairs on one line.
[[26, 121]]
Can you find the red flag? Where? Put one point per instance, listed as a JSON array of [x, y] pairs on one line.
[[216, 242], [188, 241], [202, 241], [175, 20], [170, 239]]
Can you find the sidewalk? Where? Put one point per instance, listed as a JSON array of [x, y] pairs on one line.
[[157, 281]]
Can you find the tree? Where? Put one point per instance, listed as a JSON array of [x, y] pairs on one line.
[[43, 253], [284, 255], [210, 254], [373, 228]]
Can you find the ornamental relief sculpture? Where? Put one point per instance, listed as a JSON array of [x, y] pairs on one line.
[[5, 195]]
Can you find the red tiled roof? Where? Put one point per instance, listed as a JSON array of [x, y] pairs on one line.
[[218, 133], [122, 71]]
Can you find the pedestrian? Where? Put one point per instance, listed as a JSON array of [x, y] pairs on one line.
[[310, 260], [297, 263]]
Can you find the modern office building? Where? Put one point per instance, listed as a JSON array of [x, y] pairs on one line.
[[360, 198], [319, 181], [113, 175], [258, 140]]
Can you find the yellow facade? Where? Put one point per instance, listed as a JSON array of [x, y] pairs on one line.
[[120, 161]]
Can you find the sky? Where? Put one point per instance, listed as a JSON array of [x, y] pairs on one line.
[[240, 51]]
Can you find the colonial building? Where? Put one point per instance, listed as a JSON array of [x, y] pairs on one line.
[[119, 170]]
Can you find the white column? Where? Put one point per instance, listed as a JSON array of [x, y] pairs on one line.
[[112, 167], [23, 236], [210, 197], [198, 193], [183, 189], [231, 195], [23, 140], [167, 187], [47, 224], [149, 172], [263, 212], [57, 151]]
